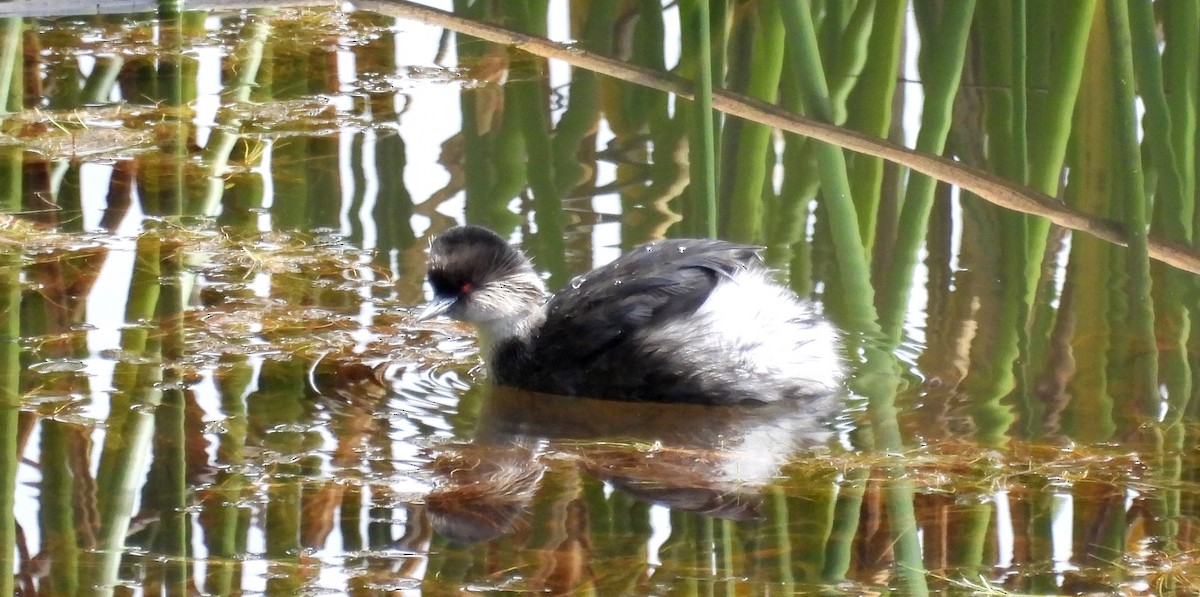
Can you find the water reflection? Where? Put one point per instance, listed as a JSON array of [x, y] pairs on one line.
[[713, 461]]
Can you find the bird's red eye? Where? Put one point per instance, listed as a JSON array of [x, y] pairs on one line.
[[466, 287]]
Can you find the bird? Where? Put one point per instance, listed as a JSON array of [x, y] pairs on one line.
[[697, 321]]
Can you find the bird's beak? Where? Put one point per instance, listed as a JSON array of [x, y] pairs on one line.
[[438, 306]]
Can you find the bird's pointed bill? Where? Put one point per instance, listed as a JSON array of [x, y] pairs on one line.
[[438, 306]]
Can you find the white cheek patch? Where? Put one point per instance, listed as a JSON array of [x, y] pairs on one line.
[[506, 307]]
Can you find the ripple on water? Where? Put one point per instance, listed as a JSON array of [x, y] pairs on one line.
[[58, 366], [36, 399], [428, 389], [124, 356], [70, 407], [396, 584], [422, 411]]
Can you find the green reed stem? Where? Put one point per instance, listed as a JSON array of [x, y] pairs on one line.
[[508, 168], [1057, 67], [549, 245], [1090, 272], [804, 55], [323, 173], [1181, 81], [970, 536], [869, 109], [171, 42], [583, 111], [846, 55], [56, 515], [1016, 270], [1131, 190], [1020, 96], [10, 404], [777, 539], [289, 166], [633, 109], [359, 184], [941, 63], [639, 110], [1050, 117], [139, 310], [281, 400], [98, 86], [878, 380], [245, 62], [847, 511], [994, 75], [702, 155], [1172, 216], [814, 512], [120, 476], [788, 225], [1020, 278], [11, 32], [750, 172], [996, 348], [130, 422], [493, 151], [62, 86], [678, 555], [170, 431], [704, 547], [393, 202], [220, 511], [629, 528], [1164, 320], [1041, 507]]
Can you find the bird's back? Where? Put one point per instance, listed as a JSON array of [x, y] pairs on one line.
[[647, 327]]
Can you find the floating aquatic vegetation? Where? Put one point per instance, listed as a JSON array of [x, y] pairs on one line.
[[409, 77], [338, 29], [114, 131], [306, 116], [69, 38]]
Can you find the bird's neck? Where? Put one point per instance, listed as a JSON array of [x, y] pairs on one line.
[[507, 349], [515, 328]]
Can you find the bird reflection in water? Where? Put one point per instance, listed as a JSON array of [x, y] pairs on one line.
[[712, 460]]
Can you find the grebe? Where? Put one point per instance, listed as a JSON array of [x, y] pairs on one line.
[[679, 320]]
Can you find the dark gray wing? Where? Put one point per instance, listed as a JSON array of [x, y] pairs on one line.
[[650, 285]]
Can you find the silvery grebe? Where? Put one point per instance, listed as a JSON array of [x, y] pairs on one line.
[[679, 320]]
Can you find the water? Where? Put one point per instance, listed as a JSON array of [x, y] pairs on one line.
[[213, 243]]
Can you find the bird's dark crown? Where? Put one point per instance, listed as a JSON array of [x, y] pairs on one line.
[[464, 258]]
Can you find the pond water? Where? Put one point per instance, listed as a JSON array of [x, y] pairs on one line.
[[212, 243]]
